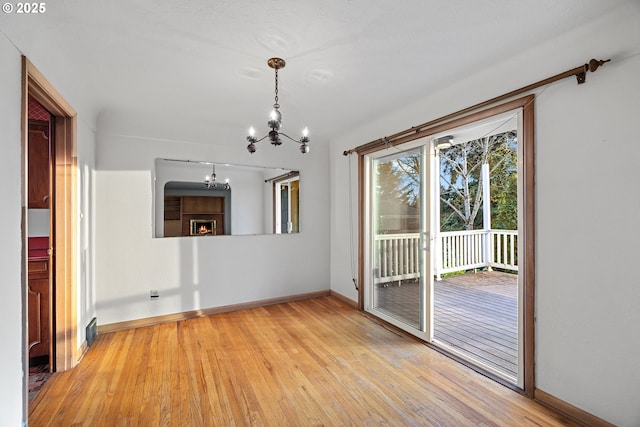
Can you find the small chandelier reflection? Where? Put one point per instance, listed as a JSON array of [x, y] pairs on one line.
[[275, 123], [211, 183]]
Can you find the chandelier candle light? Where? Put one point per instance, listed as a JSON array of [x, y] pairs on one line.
[[275, 123]]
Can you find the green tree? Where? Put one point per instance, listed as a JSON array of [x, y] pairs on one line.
[[389, 197], [461, 179], [504, 186], [398, 192]]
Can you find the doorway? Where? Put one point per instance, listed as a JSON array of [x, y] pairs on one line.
[[468, 291], [477, 299], [40, 283], [63, 226]]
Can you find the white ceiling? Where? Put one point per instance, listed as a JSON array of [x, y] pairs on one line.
[[347, 60]]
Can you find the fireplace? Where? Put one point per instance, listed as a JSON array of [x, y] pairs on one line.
[[203, 227]]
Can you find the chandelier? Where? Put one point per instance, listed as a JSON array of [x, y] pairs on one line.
[[210, 182], [275, 123]]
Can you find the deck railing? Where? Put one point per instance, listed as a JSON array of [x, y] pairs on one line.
[[398, 255], [504, 246], [460, 250]]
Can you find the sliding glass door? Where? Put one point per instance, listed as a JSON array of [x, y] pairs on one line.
[[399, 262]]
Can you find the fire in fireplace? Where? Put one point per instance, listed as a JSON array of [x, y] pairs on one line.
[[203, 227]]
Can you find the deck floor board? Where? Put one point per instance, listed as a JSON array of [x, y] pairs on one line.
[[476, 314]]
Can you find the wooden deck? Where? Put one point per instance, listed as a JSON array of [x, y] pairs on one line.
[[475, 313]]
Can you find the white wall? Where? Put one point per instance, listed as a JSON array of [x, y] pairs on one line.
[[86, 261], [11, 357], [197, 273], [588, 205]]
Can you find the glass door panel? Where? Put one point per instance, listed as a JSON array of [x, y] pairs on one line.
[[399, 267]]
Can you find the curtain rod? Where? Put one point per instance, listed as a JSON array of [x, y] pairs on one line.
[[580, 73], [289, 174]]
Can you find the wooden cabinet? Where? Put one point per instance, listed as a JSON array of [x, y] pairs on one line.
[[39, 309], [202, 205], [39, 164], [172, 208]]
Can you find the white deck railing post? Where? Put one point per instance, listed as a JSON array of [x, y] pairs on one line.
[[486, 215]]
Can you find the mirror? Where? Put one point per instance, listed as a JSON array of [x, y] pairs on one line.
[[195, 198]]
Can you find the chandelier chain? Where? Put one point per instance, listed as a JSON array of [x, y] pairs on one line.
[[276, 105]]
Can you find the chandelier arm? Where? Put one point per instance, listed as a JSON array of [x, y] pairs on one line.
[[258, 140], [284, 134]]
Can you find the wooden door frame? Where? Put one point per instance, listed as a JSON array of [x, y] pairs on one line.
[[528, 223], [63, 207]]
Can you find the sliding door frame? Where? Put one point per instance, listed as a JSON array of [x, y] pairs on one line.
[[527, 139]]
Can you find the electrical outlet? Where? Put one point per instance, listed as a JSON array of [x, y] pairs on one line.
[[154, 294]]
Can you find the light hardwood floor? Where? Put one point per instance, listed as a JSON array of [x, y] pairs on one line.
[[315, 362]]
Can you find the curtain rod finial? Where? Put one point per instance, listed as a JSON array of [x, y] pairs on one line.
[[591, 66], [594, 64]]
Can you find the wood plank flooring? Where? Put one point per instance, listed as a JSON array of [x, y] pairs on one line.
[[315, 362]]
